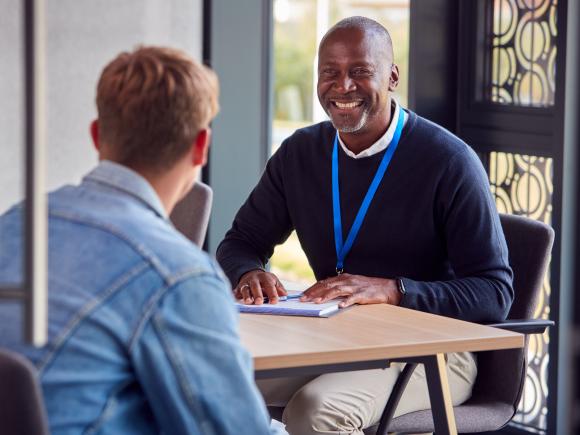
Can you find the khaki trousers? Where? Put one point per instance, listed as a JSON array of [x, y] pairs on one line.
[[348, 402]]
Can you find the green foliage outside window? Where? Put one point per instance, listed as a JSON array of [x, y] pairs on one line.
[[295, 45]]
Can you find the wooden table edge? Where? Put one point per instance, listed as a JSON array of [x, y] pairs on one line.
[[514, 341]]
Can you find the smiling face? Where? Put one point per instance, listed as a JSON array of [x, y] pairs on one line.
[[355, 77]]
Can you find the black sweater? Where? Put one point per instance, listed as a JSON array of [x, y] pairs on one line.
[[432, 222]]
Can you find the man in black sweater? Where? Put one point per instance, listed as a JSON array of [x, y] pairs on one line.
[[425, 235]]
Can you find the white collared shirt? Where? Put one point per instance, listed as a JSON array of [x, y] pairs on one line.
[[383, 141]]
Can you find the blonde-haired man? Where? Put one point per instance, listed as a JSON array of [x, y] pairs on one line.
[[142, 329]]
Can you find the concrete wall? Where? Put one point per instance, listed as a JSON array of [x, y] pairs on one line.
[[240, 54], [82, 36]]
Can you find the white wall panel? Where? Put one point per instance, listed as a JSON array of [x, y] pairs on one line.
[[82, 37]]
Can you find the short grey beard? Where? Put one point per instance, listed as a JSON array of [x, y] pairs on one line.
[[363, 120]]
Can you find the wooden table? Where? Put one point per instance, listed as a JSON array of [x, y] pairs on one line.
[[366, 337]]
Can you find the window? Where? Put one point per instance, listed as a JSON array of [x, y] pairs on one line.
[[298, 27], [510, 112], [520, 62]]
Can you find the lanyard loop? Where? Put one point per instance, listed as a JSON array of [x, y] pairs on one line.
[[342, 250]]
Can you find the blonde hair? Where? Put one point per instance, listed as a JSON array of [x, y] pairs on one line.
[[151, 104]]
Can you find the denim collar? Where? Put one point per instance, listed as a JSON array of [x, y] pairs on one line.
[[126, 180]]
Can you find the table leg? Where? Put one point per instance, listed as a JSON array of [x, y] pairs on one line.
[[440, 395]]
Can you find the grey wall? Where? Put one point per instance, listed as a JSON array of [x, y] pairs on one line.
[[82, 36], [11, 93], [240, 54]]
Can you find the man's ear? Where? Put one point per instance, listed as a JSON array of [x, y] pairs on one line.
[[94, 128], [201, 147], [394, 78]]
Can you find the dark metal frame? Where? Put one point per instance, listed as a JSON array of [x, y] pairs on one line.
[[567, 415], [489, 126], [267, 65], [321, 368], [33, 290], [443, 417], [206, 58], [395, 397], [219, 29], [442, 57], [525, 326], [569, 420], [538, 131]]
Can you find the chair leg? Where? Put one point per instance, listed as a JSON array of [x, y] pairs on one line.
[[395, 397]]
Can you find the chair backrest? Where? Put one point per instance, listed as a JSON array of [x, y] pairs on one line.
[[191, 214], [501, 374], [530, 246], [21, 406]]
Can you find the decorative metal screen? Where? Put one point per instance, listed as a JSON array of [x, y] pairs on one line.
[[521, 48], [510, 86], [519, 70], [522, 185]]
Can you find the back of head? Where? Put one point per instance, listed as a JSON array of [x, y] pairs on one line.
[[151, 105]]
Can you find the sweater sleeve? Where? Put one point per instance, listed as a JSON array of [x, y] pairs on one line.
[[261, 223], [465, 211]]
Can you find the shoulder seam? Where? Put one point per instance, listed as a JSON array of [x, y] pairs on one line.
[[111, 229]]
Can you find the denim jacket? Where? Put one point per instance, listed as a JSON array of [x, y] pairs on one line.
[[143, 332]]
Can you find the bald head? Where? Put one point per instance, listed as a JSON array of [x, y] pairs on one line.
[[372, 30], [356, 76]]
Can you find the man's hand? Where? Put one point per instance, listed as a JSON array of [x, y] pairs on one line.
[[257, 284], [357, 289]]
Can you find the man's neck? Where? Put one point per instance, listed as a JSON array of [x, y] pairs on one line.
[[359, 141], [171, 187]]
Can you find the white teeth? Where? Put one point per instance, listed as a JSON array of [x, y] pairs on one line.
[[347, 105]]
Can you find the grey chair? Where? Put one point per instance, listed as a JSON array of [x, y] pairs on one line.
[[501, 374], [191, 214], [21, 406]]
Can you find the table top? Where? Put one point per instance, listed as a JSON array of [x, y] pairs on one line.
[[363, 333]]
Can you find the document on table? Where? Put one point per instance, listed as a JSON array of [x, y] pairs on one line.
[[293, 307]]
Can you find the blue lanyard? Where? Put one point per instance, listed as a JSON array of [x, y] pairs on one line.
[[343, 250]]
